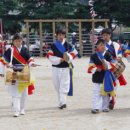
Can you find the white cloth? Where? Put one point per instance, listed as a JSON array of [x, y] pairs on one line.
[[2, 68], [19, 48], [116, 46], [55, 60], [98, 101], [61, 80], [18, 99]]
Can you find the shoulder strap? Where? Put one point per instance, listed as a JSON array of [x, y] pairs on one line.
[[11, 56]]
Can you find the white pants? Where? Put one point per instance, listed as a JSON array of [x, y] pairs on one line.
[[98, 101], [18, 99], [61, 80]]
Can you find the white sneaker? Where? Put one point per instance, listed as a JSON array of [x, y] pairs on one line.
[[16, 114], [22, 112]]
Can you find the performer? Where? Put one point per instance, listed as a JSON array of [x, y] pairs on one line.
[[17, 55], [61, 55], [127, 52], [100, 64], [116, 52], [2, 45]]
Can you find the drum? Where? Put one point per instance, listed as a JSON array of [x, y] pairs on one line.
[[12, 75], [119, 68]]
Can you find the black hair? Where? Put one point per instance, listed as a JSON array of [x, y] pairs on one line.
[[60, 31], [107, 31], [17, 36], [100, 41]]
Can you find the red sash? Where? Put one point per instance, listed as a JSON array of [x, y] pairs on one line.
[[17, 56]]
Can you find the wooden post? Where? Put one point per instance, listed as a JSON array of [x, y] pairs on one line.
[[80, 39], [27, 27], [66, 24], [93, 45], [54, 30], [1, 27], [41, 41], [106, 24]]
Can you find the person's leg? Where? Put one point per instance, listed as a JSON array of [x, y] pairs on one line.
[[56, 81], [22, 102], [13, 91], [112, 103], [105, 103], [64, 86], [96, 97]]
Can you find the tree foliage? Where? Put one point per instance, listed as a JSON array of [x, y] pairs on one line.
[[115, 10]]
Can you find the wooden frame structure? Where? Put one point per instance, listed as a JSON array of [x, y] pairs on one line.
[[66, 21]]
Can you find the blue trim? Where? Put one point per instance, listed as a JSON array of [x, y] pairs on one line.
[[59, 46]]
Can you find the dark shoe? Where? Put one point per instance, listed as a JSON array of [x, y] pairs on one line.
[[111, 106], [63, 106], [106, 110], [94, 111]]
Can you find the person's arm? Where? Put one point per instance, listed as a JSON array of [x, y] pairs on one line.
[[119, 53], [54, 59], [72, 53], [4, 61], [29, 59], [92, 67]]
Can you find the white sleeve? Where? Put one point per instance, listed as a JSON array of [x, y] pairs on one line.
[[70, 57], [55, 60], [31, 61], [94, 70], [2, 68], [108, 64]]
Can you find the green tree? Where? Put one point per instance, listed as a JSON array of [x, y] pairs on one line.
[[10, 20], [115, 10]]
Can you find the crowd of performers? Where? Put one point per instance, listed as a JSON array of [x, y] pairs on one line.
[[102, 66]]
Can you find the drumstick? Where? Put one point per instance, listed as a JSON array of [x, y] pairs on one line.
[[38, 65]]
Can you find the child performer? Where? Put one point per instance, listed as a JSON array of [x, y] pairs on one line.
[[100, 63], [61, 56], [16, 55], [115, 50]]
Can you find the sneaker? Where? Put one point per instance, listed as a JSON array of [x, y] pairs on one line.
[[22, 112], [63, 106], [111, 106], [106, 110], [16, 114], [94, 111]]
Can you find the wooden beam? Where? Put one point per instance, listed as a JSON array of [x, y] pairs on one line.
[[41, 40], [27, 27], [65, 20], [106, 24], [93, 26], [54, 30], [80, 39], [66, 24]]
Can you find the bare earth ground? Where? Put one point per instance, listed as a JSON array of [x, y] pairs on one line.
[[41, 108]]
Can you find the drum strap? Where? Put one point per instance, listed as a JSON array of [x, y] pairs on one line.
[[11, 57]]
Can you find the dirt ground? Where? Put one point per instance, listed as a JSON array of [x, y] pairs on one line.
[[41, 108]]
